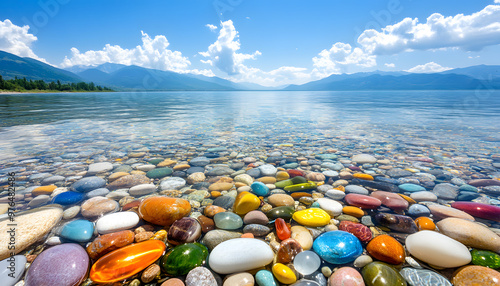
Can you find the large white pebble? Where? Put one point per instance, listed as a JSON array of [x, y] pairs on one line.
[[116, 221], [437, 249], [240, 254], [333, 208]]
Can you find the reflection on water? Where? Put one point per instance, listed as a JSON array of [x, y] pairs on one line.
[[32, 124]]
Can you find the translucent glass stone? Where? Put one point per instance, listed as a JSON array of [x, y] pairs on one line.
[[306, 262]]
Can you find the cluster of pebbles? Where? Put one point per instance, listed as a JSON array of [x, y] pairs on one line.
[[310, 212]]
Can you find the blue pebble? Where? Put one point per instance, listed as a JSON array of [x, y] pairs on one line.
[[468, 188], [265, 278], [467, 196], [260, 189], [418, 210], [80, 230], [315, 205], [68, 198], [88, 184], [412, 188], [337, 247], [386, 180]]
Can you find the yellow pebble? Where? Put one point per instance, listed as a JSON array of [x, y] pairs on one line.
[[245, 202], [215, 194], [313, 217], [160, 235], [408, 199], [282, 175], [363, 176], [284, 274], [44, 190], [412, 170], [340, 188], [354, 211]]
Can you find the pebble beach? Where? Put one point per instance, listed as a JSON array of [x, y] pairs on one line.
[[259, 202]]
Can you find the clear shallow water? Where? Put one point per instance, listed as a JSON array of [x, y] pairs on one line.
[[57, 124]]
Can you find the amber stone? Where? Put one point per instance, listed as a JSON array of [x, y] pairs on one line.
[[361, 231], [109, 242], [386, 248], [163, 210], [282, 230], [298, 195], [207, 224], [131, 205], [212, 210], [472, 275], [289, 248], [425, 223], [184, 230], [126, 261]]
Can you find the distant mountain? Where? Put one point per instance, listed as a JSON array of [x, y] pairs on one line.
[[12, 66], [483, 72]]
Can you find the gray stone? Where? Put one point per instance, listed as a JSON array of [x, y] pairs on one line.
[[445, 191], [217, 236], [99, 167], [353, 189], [200, 276], [52, 180], [199, 162], [39, 200], [172, 183], [220, 171], [97, 192], [397, 173], [142, 189], [267, 170]]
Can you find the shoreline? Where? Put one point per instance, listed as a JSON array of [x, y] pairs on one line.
[[42, 91]]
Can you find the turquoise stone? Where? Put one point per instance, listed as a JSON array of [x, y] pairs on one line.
[[80, 230], [326, 156], [159, 173], [382, 274], [68, 198], [283, 184], [485, 258], [423, 277], [284, 212], [228, 221], [183, 258], [265, 278], [337, 247], [468, 188], [412, 188], [259, 189]]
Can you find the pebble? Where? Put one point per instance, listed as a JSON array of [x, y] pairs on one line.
[[312, 217], [442, 212], [181, 259], [362, 201], [412, 188], [12, 269], [108, 242], [475, 275], [391, 200], [306, 262], [387, 249], [347, 276], [265, 278], [200, 276], [98, 206], [245, 202], [116, 222], [424, 196], [78, 230], [228, 221], [337, 247], [333, 208], [278, 200], [302, 236], [100, 167], [283, 273], [163, 210], [382, 274], [362, 261], [479, 210], [353, 189], [335, 194], [184, 230], [485, 258], [239, 279], [364, 159], [142, 189], [423, 277], [88, 184]]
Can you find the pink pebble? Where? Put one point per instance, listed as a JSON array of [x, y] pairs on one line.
[[362, 201], [391, 200], [346, 276]]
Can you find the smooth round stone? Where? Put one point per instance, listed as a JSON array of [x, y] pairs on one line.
[[333, 208], [184, 230], [12, 269], [240, 254], [391, 200], [337, 247], [437, 249], [245, 202], [417, 210], [35, 225], [354, 189], [346, 276], [267, 170], [364, 159], [109, 242], [173, 282], [283, 273], [306, 262], [225, 202], [445, 191], [287, 251], [255, 217], [382, 274], [158, 173], [411, 188], [128, 181], [65, 265], [387, 249], [335, 194], [68, 198], [142, 189], [95, 168], [79, 230], [470, 233], [423, 277], [199, 161], [485, 258], [424, 196], [172, 183], [256, 229], [284, 212], [302, 236], [163, 210], [116, 222], [468, 188], [98, 206], [259, 189], [39, 200], [479, 210], [362, 261], [228, 221], [425, 223], [88, 184], [278, 200], [265, 278], [97, 192], [362, 232], [217, 236], [312, 217], [183, 258], [398, 223], [362, 201], [475, 275], [239, 279], [126, 261], [200, 276], [467, 196], [442, 212]]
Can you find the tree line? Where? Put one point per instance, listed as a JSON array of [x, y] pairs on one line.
[[23, 84]]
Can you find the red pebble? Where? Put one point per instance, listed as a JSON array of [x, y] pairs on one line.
[[282, 229], [479, 210], [295, 173], [361, 231]]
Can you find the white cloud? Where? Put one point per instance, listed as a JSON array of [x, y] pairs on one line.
[[390, 65], [430, 67], [497, 1], [280, 76], [212, 28], [339, 57], [153, 53], [223, 53], [16, 40], [467, 32]]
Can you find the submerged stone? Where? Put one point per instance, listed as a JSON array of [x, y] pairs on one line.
[[181, 259]]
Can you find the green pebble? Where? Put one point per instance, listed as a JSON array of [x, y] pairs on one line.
[[344, 217], [284, 212], [300, 187], [485, 258], [159, 173], [298, 180], [183, 258], [382, 274], [155, 161], [284, 183]]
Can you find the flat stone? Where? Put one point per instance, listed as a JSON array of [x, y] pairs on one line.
[[128, 181], [337, 247], [356, 190], [116, 221], [470, 233], [88, 184], [446, 191], [95, 168], [424, 196], [217, 236], [142, 189], [442, 212], [364, 159], [163, 210]]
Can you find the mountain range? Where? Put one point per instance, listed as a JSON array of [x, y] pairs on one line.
[[127, 78]]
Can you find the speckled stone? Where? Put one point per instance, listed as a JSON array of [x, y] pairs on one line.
[[98, 206], [475, 275], [200, 276]]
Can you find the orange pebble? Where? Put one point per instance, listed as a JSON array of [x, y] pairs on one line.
[[43, 190], [340, 188], [425, 223], [363, 176], [354, 211], [215, 194], [298, 195], [408, 199], [247, 235]]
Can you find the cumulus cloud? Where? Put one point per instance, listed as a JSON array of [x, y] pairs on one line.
[[212, 28], [467, 32], [223, 54], [280, 76], [390, 65], [153, 53], [338, 57], [497, 1], [430, 67], [17, 40]]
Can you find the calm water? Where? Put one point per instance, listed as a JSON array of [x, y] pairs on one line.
[[37, 125]]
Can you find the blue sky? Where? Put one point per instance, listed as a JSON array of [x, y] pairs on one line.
[[261, 41]]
